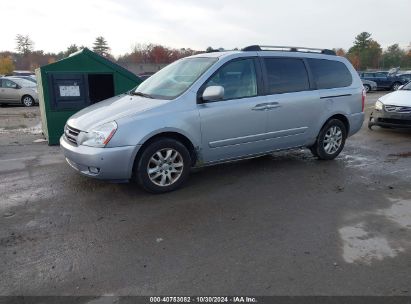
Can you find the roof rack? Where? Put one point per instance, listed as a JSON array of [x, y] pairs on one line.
[[258, 48]]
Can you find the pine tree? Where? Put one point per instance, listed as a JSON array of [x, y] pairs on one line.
[[101, 47]]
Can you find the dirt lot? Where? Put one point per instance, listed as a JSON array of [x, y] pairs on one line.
[[284, 224]]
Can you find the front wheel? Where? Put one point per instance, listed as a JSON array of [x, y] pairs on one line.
[[163, 166], [367, 88], [330, 140]]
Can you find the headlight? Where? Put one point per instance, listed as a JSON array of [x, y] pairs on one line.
[[379, 105], [99, 136]]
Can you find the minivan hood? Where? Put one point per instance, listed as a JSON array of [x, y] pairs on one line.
[[398, 98], [111, 109]]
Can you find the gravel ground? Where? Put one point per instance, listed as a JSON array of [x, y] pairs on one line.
[[284, 224]]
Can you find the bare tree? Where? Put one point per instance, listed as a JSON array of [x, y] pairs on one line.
[[24, 44]]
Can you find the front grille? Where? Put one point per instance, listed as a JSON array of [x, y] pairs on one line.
[[395, 121], [397, 109], [71, 134]]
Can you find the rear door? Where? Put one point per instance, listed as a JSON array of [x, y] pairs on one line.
[[293, 104], [233, 127]]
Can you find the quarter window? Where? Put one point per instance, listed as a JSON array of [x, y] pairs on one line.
[[286, 75], [238, 78], [330, 74]]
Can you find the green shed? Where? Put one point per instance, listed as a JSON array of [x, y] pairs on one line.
[[75, 82]]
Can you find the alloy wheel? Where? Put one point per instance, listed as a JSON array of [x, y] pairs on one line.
[[332, 140], [165, 167]]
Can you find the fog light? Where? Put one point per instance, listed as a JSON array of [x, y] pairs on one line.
[[94, 170]]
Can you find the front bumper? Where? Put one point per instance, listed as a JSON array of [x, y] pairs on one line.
[[102, 163], [392, 120]]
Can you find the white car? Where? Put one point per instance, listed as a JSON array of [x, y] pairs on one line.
[[393, 110]]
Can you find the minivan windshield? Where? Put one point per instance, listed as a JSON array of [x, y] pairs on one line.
[[174, 79]]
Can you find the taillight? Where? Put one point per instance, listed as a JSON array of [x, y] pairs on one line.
[[363, 100]]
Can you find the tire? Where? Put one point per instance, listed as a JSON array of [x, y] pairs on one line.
[[367, 88], [165, 176], [27, 101], [396, 86], [335, 131]]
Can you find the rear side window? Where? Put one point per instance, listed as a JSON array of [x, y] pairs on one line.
[[330, 74], [286, 75]]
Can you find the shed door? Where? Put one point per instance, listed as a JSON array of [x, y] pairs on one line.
[[68, 91]]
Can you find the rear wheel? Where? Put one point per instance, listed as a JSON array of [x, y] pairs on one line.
[[330, 140], [367, 88], [27, 101], [163, 166]]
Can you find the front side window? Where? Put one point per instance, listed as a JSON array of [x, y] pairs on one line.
[[330, 74], [368, 75], [174, 79], [238, 78], [286, 75]]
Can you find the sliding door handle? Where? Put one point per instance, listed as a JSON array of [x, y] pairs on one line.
[[260, 107]]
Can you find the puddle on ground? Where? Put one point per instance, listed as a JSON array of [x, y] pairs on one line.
[[399, 212], [362, 245], [353, 161], [33, 130]]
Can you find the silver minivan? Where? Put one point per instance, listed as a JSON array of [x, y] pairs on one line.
[[217, 107]]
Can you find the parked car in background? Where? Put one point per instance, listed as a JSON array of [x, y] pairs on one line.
[[384, 80], [216, 107], [22, 73], [393, 110], [18, 91], [369, 85], [144, 76], [29, 78]]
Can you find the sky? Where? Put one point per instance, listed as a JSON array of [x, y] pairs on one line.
[[54, 25]]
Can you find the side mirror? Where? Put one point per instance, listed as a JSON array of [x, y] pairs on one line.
[[213, 93]]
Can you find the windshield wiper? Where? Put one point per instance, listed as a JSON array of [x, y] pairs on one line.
[[141, 94]]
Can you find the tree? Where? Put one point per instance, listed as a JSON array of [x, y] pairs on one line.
[[340, 52], [394, 56], [70, 50], [24, 44], [362, 40], [101, 47], [365, 51], [6, 65]]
